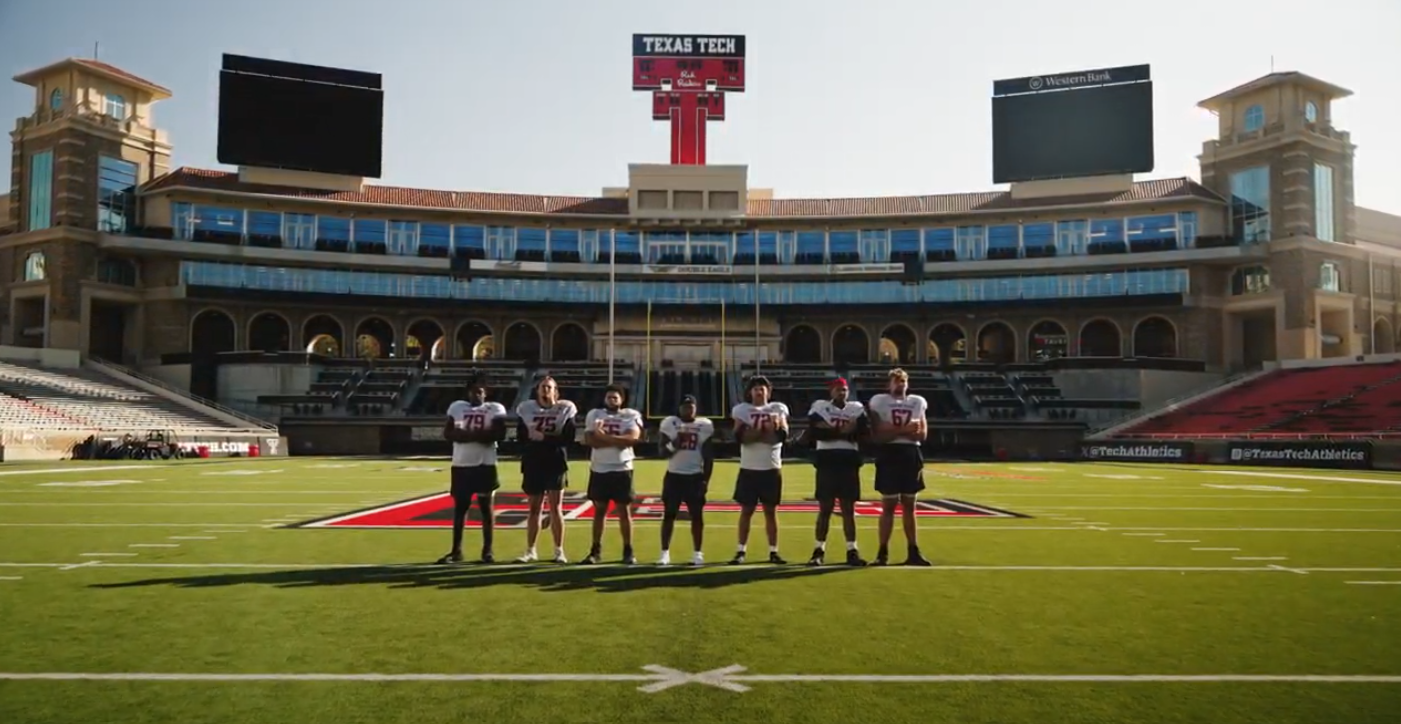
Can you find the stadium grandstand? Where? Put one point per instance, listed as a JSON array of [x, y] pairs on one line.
[[344, 316]]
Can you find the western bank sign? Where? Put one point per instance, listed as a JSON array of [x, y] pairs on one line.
[[1068, 81]]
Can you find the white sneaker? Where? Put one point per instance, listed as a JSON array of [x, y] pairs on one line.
[[529, 557], [560, 557], [698, 559], [665, 560]]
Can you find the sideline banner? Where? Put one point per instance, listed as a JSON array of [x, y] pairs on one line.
[[270, 445], [1302, 453], [1138, 452]]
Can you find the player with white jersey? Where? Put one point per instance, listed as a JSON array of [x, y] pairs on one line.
[[837, 425], [612, 431], [761, 427], [474, 426], [687, 440], [546, 425], [899, 427]]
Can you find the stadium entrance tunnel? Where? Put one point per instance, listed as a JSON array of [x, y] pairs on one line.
[[947, 344], [322, 335], [269, 332]]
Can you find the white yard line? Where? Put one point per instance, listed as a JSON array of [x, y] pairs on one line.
[[1375, 583], [108, 555], [192, 537], [1146, 535], [1300, 571], [154, 545], [1175, 540], [1260, 558], [11, 578], [85, 564], [1296, 476], [1216, 549], [71, 469]]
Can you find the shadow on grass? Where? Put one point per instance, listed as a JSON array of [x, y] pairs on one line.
[[603, 578]]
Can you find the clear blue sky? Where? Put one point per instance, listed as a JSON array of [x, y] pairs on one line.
[[845, 98]]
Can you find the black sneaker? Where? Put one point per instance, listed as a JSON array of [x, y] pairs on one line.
[[488, 557], [882, 558], [454, 557], [775, 559], [628, 558], [593, 558], [738, 560], [854, 559], [819, 555], [915, 558]]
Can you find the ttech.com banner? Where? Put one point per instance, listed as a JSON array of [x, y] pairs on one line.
[[1138, 452], [1302, 454]]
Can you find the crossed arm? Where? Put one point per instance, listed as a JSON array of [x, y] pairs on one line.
[[597, 437], [851, 430], [559, 438], [495, 433], [766, 435], [882, 431]]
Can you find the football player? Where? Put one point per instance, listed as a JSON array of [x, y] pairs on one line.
[[761, 427], [612, 431], [686, 439], [546, 424], [474, 426], [898, 427], [837, 426]]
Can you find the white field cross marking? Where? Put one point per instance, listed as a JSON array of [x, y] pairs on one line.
[[729, 678]]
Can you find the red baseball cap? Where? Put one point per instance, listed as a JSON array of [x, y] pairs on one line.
[[839, 382]]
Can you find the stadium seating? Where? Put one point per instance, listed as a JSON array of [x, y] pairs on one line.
[[86, 399], [928, 382], [1350, 398], [796, 386], [583, 383], [666, 387]]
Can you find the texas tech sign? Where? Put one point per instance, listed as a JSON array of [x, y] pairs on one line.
[[688, 76]]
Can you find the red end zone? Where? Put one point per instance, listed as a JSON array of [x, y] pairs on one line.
[[435, 511]]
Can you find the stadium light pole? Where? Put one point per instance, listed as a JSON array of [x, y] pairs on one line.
[[612, 296]]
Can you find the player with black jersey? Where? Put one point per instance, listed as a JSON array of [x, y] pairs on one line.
[[474, 426], [686, 439], [546, 425], [761, 426], [612, 431], [837, 426], [899, 426]]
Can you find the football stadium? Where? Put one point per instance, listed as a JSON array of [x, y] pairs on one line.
[[1144, 430]]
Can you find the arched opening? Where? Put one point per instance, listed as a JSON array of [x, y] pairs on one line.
[[850, 345], [269, 332], [211, 332], [374, 338], [1383, 341], [1100, 338], [897, 345], [1155, 337], [521, 342], [425, 341], [997, 344], [803, 345], [947, 344], [569, 343], [322, 335], [474, 342], [1047, 340]]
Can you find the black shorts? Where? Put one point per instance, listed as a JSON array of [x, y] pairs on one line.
[[611, 487], [838, 475], [679, 489], [538, 483], [899, 470], [474, 480], [759, 487]]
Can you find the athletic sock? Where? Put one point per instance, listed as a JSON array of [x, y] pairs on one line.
[[822, 545], [773, 550], [851, 545], [741, 548]]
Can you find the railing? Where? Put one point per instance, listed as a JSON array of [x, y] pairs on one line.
[[114, 367]]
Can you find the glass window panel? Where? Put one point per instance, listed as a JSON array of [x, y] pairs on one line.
[[218, 218], [369, 231], [1187, 228], [1106, 230], [842, 242], [182, 218], [564, 240], [333, 228], [904, 240], [812, 243], [971, 242], [268, 223], [1003, 237], [938, 239], [1038, 235], [626, 242], [469, 237], [1324, 226], [438, 236]]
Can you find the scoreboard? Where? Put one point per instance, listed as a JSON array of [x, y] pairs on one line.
[[688, 76]]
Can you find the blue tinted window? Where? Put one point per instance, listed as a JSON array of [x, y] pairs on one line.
[[1187, 228], [268, 223], [41, 190], [625, 242], [369, 231], [1072, 237], [182, 218], [56, 100], [812, 242], [438, 236], [938, 239], [875, 246], [116, 194], [564, 240], [768, 243], [1003, 237], [970, 242], [1106, 230], [530, 239], [299, 231], [1250, 204], [1038, 235], [218, 218], [744, 244], [842, 242], [332, 228], [469, 237], [1254, 118], [1160, 226], [501, 242], [115, 106], [403, 237], [904, 240]]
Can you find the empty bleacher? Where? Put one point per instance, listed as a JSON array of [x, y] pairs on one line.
[[443, 383], [993, 393], [583, 383], [927, 382], [1314, 400], [80, 398], [666, 387], [796, 386]]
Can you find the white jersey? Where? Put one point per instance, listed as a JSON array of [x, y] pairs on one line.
[[612, 459], [688, 438], [759, 455], [834, 416], [546, 420], [474, 418], [899, 411]]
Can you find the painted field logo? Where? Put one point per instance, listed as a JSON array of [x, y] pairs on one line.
[[435, 511]]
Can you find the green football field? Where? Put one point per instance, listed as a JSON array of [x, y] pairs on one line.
[[189, 592]]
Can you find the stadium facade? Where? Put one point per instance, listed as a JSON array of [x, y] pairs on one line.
[[111, 252]]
